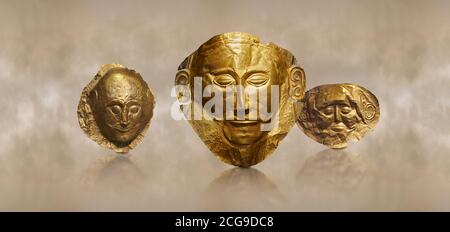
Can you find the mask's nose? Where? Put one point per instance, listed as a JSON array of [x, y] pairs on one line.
[[337, 114], [242, 105], [124, 119]]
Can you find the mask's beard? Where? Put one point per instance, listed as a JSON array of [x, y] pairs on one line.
[[329, 136], [211, 133]]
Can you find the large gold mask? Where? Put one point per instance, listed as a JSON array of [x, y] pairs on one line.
[[337, 113], [224, 64], [116, 107]]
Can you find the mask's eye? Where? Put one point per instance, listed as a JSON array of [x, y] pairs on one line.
[[116, 109], [134, 109], [223, 80], [258, 80], [346, 110], [329, 110]]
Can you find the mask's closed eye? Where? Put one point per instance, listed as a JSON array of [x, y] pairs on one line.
[[134, 109], [223, 80], [346, 109], [329, 110], [115, 109], [257, 80]]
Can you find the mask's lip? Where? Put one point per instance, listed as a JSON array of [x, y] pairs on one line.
[[121, 129], [340, 128], [242, 122]]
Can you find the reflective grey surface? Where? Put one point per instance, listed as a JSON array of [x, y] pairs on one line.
[[49, 49]]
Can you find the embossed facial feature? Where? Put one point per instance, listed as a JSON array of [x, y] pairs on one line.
[[254, 85], [121, 106], [337, 113], [123, 116], [338, 116], [251, 68]]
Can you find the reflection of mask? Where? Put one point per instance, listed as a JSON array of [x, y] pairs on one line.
[[116, 107], [333, 170], [335, 114], [239, 188], [226, 63]]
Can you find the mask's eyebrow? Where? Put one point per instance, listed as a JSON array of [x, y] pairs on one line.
[[336, 102], [346, 104], [223, 71], [132, 102], [115, 102], [255, 71]]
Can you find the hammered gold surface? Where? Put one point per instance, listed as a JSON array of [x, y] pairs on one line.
[[115, 108], [51, 49], [337, 113], [238, 58]]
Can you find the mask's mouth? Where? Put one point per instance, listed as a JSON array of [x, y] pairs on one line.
[[240, 123], [122, 128], [244, 123], [340, 128], [242, 132]]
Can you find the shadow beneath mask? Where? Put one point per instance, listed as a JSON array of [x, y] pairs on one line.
[[332, 170], [242, 189], [117, 172]]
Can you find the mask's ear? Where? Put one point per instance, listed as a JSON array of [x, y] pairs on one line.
[[182, 81], [368, 108], [297, 83], [93, 95]]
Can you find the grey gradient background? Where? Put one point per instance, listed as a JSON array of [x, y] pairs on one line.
[[49, 50]]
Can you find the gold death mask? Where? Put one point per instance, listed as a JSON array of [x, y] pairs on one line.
[[337, 113], [115, 108], [244, 78]]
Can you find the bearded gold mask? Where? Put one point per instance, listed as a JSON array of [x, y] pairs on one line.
[[337, 113], [116, 107], [226, 65]]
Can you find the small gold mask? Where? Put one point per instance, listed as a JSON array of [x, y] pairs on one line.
[[337, 113], [224, 63], [116, 107]]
